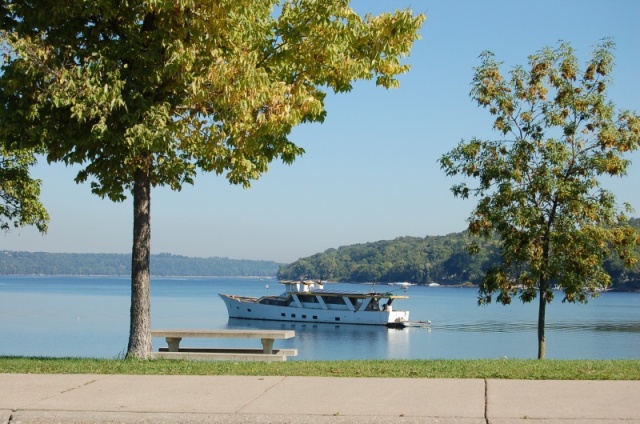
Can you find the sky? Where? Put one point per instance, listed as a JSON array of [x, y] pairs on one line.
[[370, 171]]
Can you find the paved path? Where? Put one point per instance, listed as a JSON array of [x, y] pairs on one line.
[[88, 398]]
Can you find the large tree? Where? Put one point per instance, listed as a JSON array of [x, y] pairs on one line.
[[538, 186], [143, 93]]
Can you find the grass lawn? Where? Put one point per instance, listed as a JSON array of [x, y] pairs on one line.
[[528, 369]]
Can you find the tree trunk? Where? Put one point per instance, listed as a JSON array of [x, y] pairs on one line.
[[140, 320], [541, 319]]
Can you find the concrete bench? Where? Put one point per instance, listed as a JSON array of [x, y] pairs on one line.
[[267, 353]]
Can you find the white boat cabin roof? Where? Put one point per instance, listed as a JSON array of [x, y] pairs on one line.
[[307, 287], [358, 295]]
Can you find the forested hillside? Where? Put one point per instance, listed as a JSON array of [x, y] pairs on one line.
[[439, 259], [39, 263], [433, 259]]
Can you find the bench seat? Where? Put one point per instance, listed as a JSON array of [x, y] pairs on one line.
[[267, 353]]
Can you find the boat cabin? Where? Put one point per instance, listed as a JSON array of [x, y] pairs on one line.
[[303, 294]]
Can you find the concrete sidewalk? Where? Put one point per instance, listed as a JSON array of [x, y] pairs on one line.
[[36, 398]]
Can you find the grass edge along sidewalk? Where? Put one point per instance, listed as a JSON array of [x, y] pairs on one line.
[[523, 369]]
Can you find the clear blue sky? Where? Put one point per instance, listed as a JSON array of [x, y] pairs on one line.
[[370, 171]]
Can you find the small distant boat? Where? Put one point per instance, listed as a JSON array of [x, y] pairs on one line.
[[403, 284], [308, 301]]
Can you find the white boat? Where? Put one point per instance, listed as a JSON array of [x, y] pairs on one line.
[[403, 285], [308, 301]]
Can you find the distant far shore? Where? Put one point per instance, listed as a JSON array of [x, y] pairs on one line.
[[259, 277], [119, 265]]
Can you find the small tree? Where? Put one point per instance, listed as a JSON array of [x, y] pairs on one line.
[[144, 93], [539, 189], [19, 193]]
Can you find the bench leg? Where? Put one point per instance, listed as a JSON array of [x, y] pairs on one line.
[[267, 346], [174, 343]]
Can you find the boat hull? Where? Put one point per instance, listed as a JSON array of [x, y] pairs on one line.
[[248, 308]]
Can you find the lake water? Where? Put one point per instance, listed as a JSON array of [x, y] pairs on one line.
[[89, 317]]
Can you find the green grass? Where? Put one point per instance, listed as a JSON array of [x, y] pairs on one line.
[[482, 368]]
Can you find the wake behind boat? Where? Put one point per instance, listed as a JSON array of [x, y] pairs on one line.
[[308, 301]]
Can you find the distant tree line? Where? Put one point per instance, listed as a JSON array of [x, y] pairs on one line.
[[432, 259], [40, 263], [422, 260]]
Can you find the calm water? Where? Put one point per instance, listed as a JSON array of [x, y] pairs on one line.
[[89, 317]]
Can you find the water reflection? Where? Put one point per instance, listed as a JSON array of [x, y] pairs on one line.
[[337, 341]]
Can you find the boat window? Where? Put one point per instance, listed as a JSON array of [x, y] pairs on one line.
[[333, 300], [307, 298], [273, 301], [357, 303], [373, 305]]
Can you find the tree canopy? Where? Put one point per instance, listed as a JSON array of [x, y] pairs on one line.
[[147, 92], [19, 193], [538, 188], [180, 85]]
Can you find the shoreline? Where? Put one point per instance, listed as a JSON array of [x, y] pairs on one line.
[[621, 289]]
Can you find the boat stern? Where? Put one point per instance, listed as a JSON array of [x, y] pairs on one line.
[[397, 317]]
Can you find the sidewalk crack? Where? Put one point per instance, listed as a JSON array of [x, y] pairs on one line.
[[70, 389], [250, 401]]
